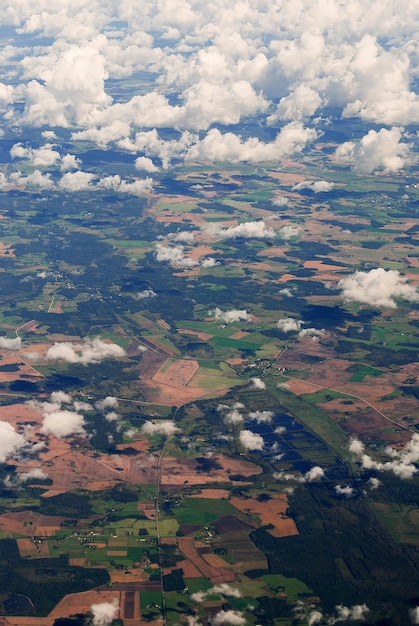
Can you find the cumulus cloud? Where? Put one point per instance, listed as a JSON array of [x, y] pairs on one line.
[[261, 416], [229, 317], [143, 295], [378, 150], [165, 428], [10, 344], [76, 181], [117, 184], [257, 383], [233, 416], [10, 441], [356, 446], [223, 589], [414, 615], [175, 255], [246, 230], [45, 156], [251, 441], [402, 463], [229, 147], [63, 423], [107, 403], [104, 612], [89, 351], [289, 231], [34, 474], [344, 490], [145, 164], [373, 483], [288, 325], [231, 617], [313, 474], [314, 333], [378, 287], [349, 613], [318, 186], [301, 103]]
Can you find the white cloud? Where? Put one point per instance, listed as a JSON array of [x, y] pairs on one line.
[[34, 474], [351, 613], [288, 325], [89, 351], [287, 292], [318, 186], [251, 441], [145, 164], [187, 236], [63, 423], [222, 589], [344, 490], [313, 474], [356, 446], [107, 403], [373, 483], [233, 416], [175, 255], [10, 441], [301, 103], [258, 383], [246, 230], [233, 618], [229, 147], [414, 615], [403, 462], [45, 156], [164, 427], [60, 397], [378, 287], [10, 344], [69, 162], [314, 333], [229, 317], [261, 416], [104, 612], [76, 181], [143, 295], [226, 590], [289, 231], [378, 150]]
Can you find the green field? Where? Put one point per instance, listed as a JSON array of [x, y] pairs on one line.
[[202, 511]]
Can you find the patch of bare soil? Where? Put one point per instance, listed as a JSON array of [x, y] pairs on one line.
[[183, 472], [271, 511]]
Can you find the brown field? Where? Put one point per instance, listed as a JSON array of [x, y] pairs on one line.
[[70, 605], [301, 387], [270, 512], [28, 549], [40, 525], [81, 602], [189, 569], [240, 334], [135, 575], [213, 494], [286, 278], [215, 574], [117, 553], [25, 371], [196, 333], [178, 374], [176, 472], [169, 385]]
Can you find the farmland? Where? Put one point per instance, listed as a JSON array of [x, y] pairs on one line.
[[184, 415]]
